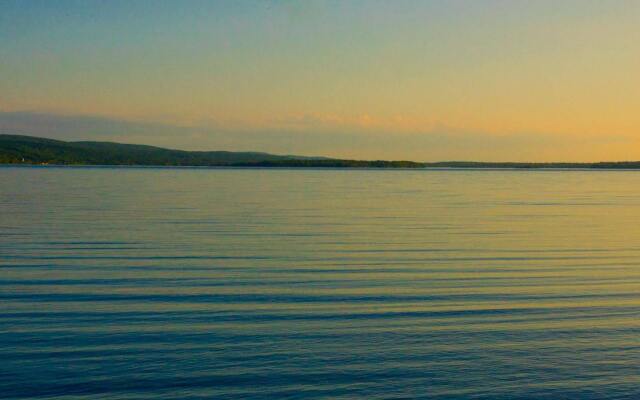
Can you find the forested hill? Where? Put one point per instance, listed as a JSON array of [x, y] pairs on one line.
[[16, 149]]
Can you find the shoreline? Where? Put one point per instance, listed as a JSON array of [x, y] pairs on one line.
[[290, 167]]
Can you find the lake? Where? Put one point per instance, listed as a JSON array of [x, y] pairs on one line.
[[167, 283]]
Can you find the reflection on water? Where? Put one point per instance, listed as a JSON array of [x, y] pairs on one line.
[[226, 283]]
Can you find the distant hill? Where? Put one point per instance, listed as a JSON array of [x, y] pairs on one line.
[[17, 149]]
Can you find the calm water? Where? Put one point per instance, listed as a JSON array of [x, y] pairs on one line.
[[343, 284]]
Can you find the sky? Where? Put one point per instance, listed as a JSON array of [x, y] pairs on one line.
[[487, 80]]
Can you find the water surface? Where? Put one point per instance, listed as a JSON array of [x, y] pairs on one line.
[[152, 283]]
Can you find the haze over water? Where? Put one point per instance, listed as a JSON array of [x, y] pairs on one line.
[[145, 283]]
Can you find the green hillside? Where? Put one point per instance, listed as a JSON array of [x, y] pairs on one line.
[[16, 149], [34, 150]]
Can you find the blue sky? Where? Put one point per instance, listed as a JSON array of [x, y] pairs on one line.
[[419, 80]]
